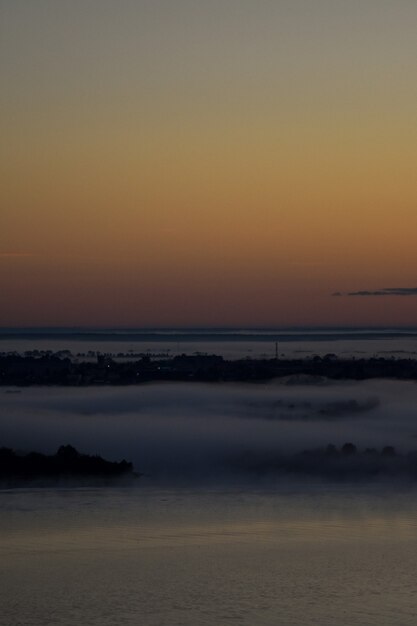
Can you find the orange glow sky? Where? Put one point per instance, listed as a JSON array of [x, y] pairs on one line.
[[231, 162]]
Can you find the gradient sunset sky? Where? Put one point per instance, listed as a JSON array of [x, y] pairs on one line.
[[217, 162]]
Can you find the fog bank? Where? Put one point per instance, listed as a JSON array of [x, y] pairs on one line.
[[177, 429]]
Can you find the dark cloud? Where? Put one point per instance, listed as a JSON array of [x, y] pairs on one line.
[[386, 291]]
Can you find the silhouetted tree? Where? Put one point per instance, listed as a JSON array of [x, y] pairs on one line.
[[348, 449]]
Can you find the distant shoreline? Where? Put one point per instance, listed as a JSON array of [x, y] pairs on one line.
[[208, 335], [47, 368]]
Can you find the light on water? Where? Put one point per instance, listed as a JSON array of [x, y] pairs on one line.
[[147, 556]]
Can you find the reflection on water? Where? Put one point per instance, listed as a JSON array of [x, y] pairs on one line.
[[144, 556]]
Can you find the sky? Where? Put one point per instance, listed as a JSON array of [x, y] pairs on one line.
[[210, 163]]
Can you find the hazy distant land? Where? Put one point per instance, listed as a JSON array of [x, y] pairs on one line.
[[346, 463], [48, 368]]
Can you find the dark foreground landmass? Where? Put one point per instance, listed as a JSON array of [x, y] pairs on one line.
[[66, 463], [58, 369]]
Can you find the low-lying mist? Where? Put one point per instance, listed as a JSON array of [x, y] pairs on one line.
[[194, 430]]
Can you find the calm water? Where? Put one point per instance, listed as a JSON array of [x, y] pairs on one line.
[[177, 557]]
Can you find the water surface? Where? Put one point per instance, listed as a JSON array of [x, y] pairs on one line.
[[177, 557]]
